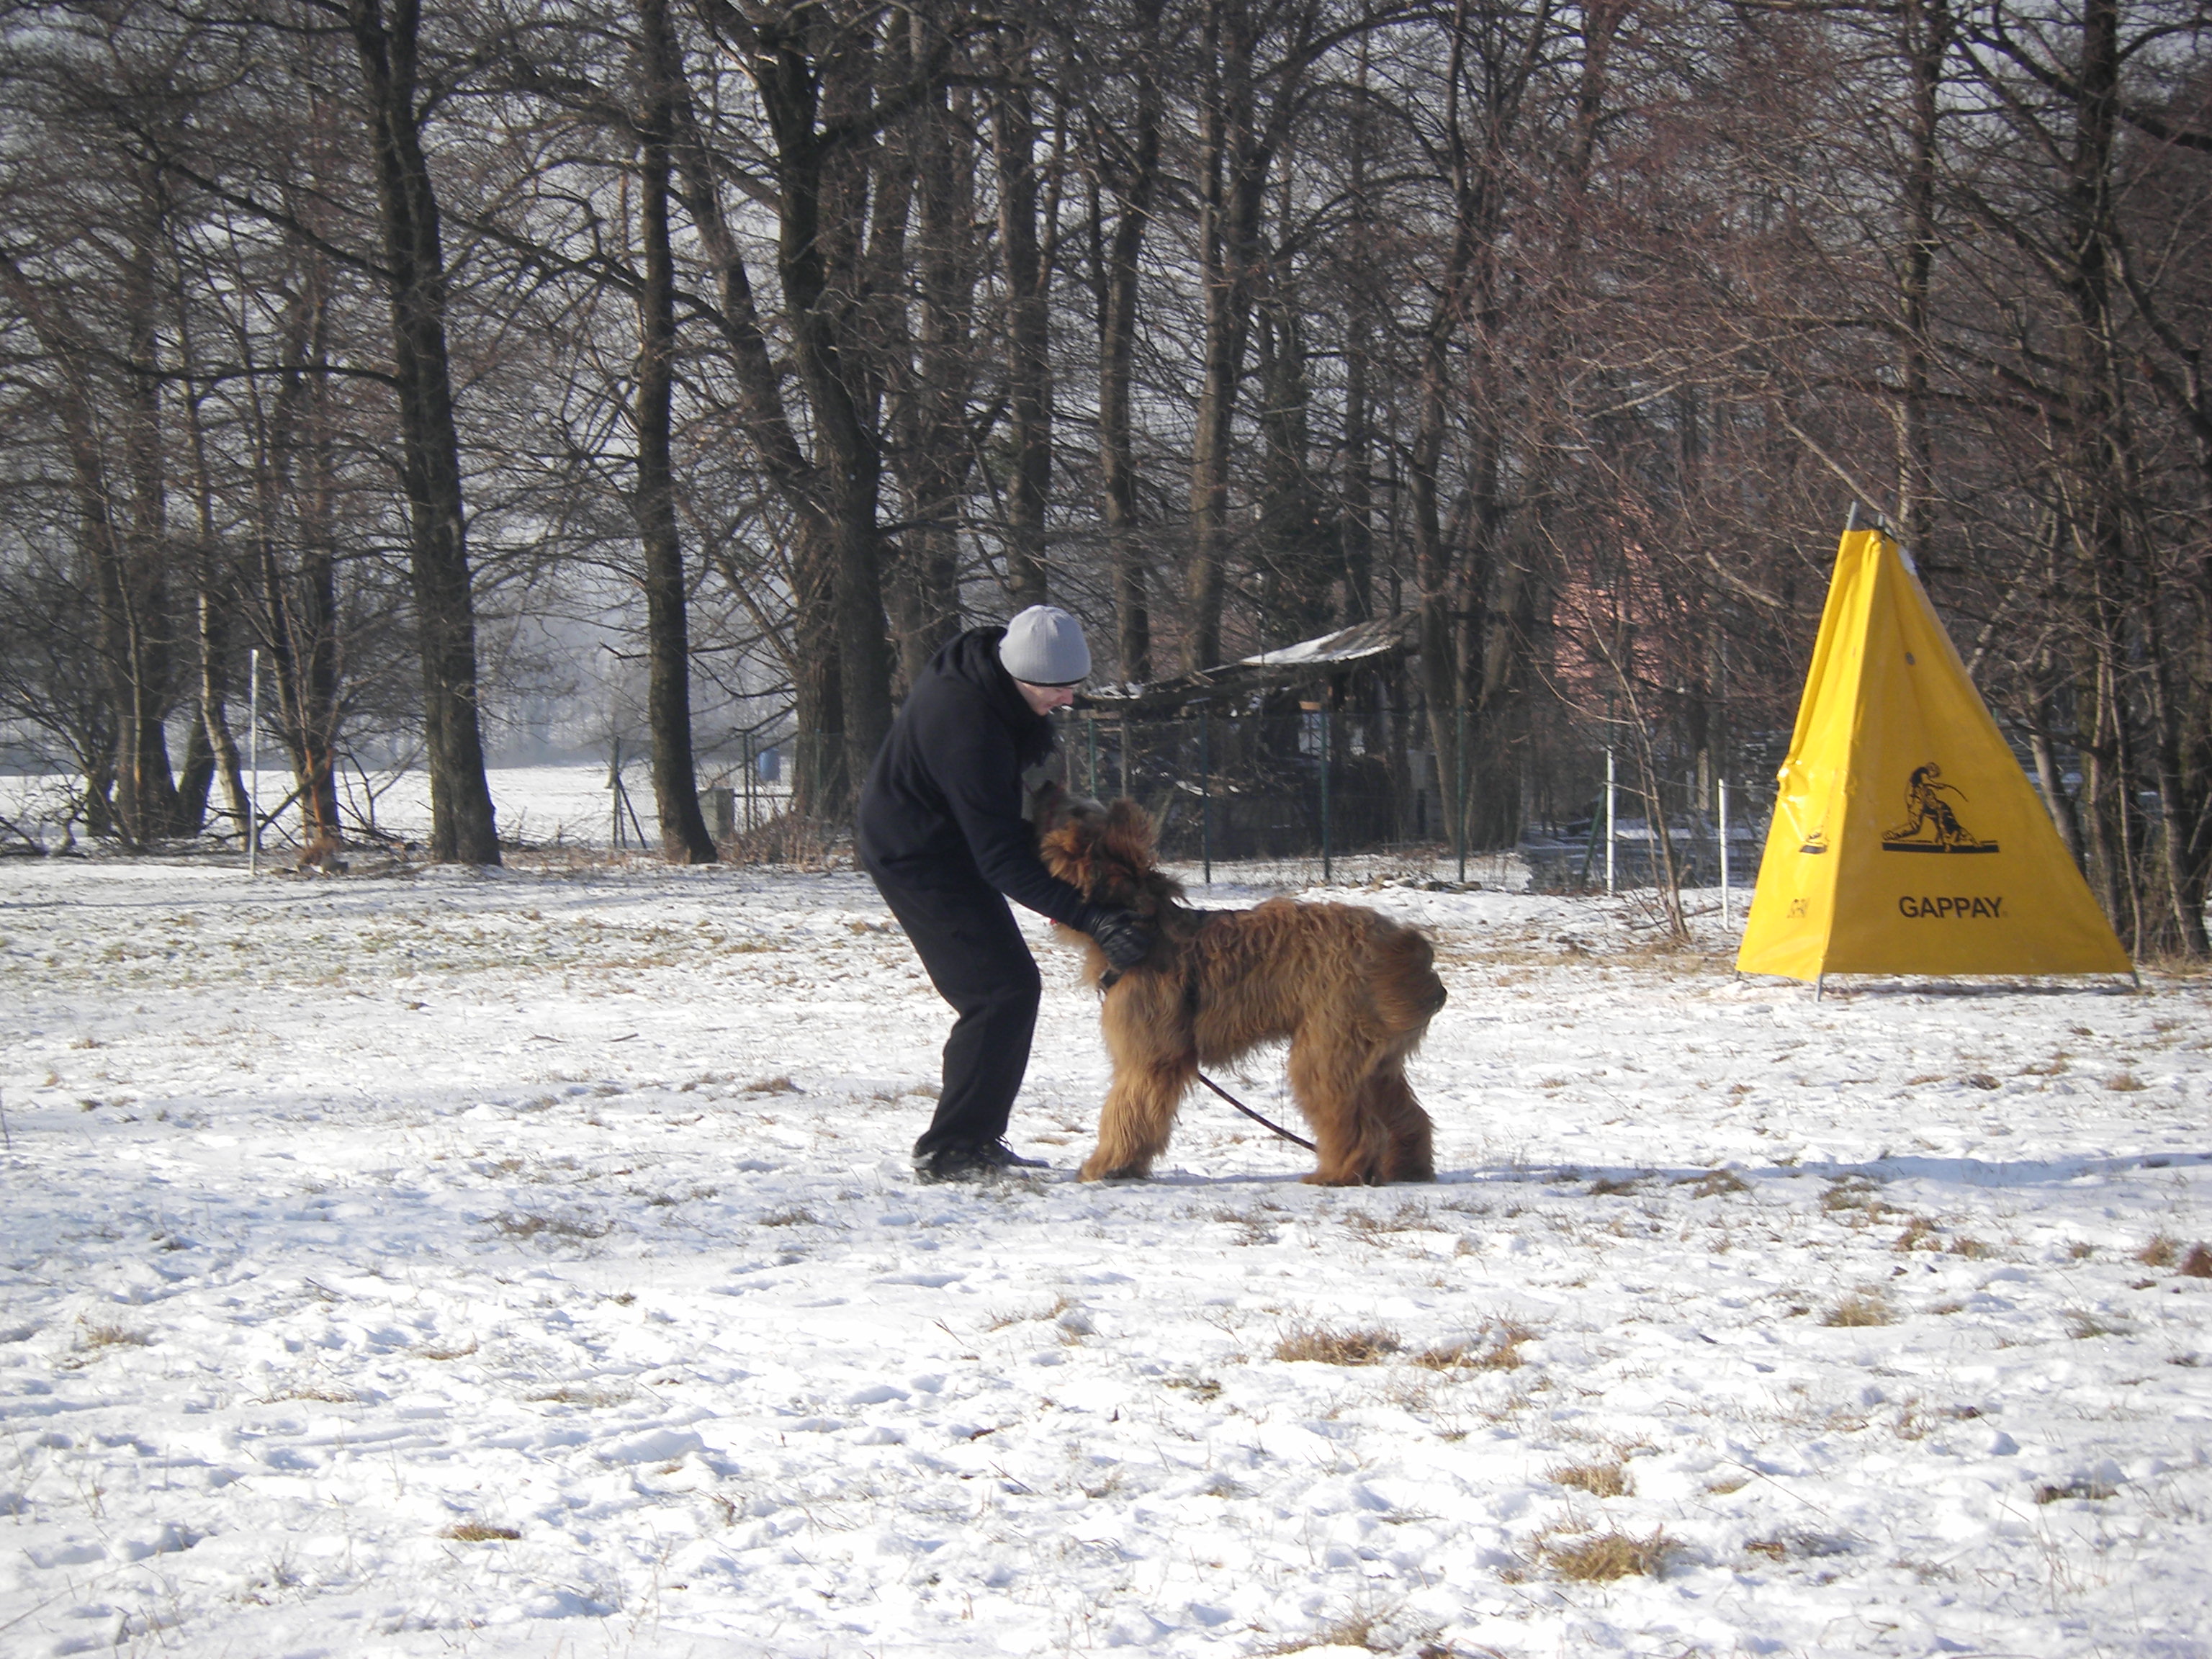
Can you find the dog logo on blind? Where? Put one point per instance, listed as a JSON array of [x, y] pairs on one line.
[[1931, 824]]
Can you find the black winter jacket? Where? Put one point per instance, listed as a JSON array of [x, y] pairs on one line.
[[943, 803]]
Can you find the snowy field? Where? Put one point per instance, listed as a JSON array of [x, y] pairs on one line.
[[420, 1262]]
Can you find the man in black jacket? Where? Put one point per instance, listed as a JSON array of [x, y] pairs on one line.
[[942, 831]]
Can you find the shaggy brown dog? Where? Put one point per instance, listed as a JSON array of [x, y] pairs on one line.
[[1350, 990]]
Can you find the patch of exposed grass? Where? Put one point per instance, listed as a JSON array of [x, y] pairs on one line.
[[2197, 1264], [96, 1337], [1614, 1185], [530, 1226], [1972, 1248], [2159, 1252], [2096, 1491], [998, 1321], [570, 1395], [2124, 1083], [1855, 1200], [1607, 1556], [1497, 1349], [1598, 1479], [1370, 1632], [1714, 1184], [773, 1085], [480, 1532], [1410, 1217], [1919, 1234], [2083, 1326], [441, 1352], [796, 1216], [1861, 1308], [1320, 1345]]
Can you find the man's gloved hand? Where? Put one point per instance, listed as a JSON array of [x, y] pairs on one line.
[[1123, 935]]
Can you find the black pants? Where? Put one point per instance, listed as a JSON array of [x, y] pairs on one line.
[[977, 958]]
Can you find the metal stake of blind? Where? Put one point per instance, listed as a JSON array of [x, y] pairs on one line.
[[1459, 787], [1327, 872], [1205, 794], [253, 762], [1611, 823], [1724, 854], [1091, 737]]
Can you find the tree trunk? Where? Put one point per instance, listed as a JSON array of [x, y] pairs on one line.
[[1231, 174], [1029, 368], [684, 837], [1117, 357], [461, 827]]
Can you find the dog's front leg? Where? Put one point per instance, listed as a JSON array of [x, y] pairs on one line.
[[1137, 1117]]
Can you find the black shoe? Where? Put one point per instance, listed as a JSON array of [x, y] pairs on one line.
[[971, 1164], [953, 1163]]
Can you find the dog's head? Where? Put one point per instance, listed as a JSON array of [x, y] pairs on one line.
[[1108, 854]]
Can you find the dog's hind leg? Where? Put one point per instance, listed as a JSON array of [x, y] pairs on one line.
[[1352, 1146], [1388, 1100], [1137, 1117]]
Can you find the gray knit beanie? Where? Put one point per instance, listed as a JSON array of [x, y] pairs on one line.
[[1044, 646]]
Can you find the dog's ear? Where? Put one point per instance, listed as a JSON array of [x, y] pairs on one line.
[[1068, 841]]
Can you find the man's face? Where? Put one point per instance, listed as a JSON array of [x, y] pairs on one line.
[[1043, 699]]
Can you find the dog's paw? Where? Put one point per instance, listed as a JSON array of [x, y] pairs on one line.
[[1093, 1169]]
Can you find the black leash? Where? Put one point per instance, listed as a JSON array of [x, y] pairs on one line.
[[1298, 1140]]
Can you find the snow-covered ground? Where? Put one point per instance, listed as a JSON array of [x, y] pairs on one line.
[[420, 1262]]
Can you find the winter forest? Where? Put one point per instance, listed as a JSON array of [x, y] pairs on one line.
[[455, 358]]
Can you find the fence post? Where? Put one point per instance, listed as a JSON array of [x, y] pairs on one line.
[[253, 761], [1205, 794], [1458, 786], [1328, 872], [1724, 854], [1611, 825]]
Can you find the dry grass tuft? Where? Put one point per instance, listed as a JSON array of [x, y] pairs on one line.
[[570, 1395], [1320, 1345], [2083, 1326], [1972, 1248], [1610, 1555], [530, 1226], [112, 1336], [773, 1085], [480, 1532], [429, 1352], [1598, 1479], [796, 1216], [1855, 1202], [2096, 1491], [1861, 1308], [1919, 1234], [1714, 1183], [2159, 1252], [1368, 1631], [2197, 1264], [1614, 1185], [2125, 1083], [1498, 1349]]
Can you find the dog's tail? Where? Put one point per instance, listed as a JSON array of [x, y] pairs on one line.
[[1407, 992]]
